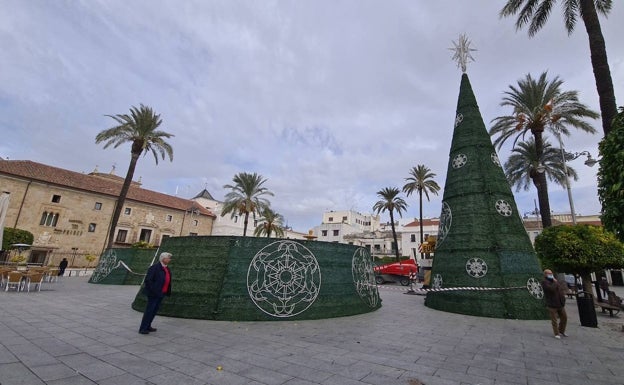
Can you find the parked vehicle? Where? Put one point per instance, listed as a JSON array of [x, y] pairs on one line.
[[402, 272]]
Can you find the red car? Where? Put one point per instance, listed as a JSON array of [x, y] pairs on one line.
[[402, 272]]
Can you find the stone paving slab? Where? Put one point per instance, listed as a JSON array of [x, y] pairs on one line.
[[78, 333]]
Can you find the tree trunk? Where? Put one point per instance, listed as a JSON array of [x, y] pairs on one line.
[[394, 236], [121, 199], [600, 64], [541, 184], [422, 254], [245, 223]]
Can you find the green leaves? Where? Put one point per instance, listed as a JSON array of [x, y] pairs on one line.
[[611, 177]]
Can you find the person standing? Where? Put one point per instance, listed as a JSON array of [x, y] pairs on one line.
[[62, 267], [157, 286], [554, 294], [604, 287]]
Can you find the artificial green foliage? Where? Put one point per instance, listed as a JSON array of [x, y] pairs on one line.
[[12, 236], [579, 249], [210, 279], [611, 177], [480, 222], [110, 271]]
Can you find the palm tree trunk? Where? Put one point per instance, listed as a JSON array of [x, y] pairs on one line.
[[421, 224], [539, 180], [121, 199], [394, 236], [245, 224], [600, 64]]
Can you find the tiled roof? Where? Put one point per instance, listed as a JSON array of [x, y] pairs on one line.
[[29, 170], [426, 222]]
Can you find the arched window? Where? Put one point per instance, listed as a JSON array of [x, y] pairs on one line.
[[49, 219]]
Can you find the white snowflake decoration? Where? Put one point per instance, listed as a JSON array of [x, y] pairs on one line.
[[437, 281], [459, 161], [503, 208], [364, 277], [446, 218], [476, 267], [495, 159], [283, 279], [107, 263], [535, 288], [458, 119]]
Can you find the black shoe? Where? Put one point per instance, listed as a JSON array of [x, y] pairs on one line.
[[150, 329], [144, 331]]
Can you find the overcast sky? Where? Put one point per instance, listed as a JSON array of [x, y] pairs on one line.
[[331, 101]]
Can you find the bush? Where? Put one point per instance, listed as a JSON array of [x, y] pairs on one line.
[[12, 236]]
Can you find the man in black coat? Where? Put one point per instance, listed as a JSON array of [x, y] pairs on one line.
[[157, 286], [554, 294]]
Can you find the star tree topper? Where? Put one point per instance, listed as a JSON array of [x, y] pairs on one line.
[[462, 52]]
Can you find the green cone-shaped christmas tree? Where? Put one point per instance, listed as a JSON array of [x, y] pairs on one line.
[[484, 263]]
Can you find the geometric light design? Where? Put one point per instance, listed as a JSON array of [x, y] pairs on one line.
[[495, 159], [535, 288], [108, 262], [459, 161], [364, 277], [476, 267], [446, 218], [283, 279], [437, 281], [458, 119], [503, 208]]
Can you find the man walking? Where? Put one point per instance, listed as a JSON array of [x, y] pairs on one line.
[[554, 294], [157, 286]]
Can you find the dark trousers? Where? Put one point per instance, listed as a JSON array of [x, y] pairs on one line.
[[153, 303]]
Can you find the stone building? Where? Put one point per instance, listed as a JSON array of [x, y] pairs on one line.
[[69, 213]]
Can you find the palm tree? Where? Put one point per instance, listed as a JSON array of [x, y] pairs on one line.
[[421, 180], [391, 202], [535, 13], [272, 222], [523, 166], [245, 197], [540, 105], [140, 128]]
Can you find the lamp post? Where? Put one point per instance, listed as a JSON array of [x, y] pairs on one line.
[[571, 156]]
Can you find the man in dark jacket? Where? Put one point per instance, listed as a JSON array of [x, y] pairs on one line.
[[554, 294], [157, 286]]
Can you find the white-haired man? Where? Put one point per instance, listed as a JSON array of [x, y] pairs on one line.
[[157, 285]]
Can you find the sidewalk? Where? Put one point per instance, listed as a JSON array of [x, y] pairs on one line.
[[79, 333]]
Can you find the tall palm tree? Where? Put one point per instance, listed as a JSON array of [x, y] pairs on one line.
[[523, 166], [535, 13], [540, 105], [272, 222], [421, 180], [391, 202], [140, 128], [245, 197]]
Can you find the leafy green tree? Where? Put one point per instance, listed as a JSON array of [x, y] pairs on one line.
[[611, 177], [271, 222], [540, 105], [523, 165], [140, 129], [535, 13], [12, 236], [579, 249], [245, 197], [391, 202], [421, 180]]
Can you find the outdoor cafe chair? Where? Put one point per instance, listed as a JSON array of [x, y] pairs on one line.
[[14, 279], [34, 279]]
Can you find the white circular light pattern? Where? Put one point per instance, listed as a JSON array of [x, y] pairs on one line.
[[446, 217], [503, 208], [535, 288], [364, 277], [437, 281], [476, 267], [495, 159], [283, 279], [459, 161], [458, 119], [107, 263]]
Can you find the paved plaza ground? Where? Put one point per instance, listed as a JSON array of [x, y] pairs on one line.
[[79, 333]]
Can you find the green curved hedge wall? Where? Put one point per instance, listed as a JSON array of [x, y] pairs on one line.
[[217, 278], [110, 271]]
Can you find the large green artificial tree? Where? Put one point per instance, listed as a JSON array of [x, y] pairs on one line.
[[611, 178], [579, 249], [484, 262]]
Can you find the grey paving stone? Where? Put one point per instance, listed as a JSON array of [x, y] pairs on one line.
[[53, 372], [18, 373], [125, 379]]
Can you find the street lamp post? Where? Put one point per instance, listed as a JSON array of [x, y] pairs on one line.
[[571, 156]]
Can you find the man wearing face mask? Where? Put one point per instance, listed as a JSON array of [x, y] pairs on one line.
[[554, 294]]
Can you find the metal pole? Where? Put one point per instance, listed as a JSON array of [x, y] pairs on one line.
[[567, 178]]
